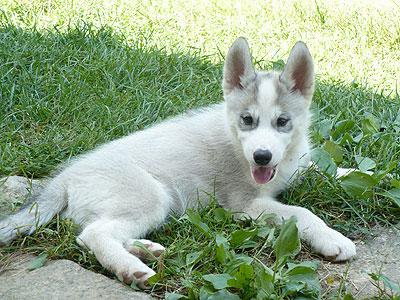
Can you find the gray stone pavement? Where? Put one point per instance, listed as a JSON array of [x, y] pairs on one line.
[[380, 255], [60, 279]]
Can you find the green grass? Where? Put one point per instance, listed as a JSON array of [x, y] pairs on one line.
[[62, 94], [74, 75]]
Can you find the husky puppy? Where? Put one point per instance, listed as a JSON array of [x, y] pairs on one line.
[[246, 149]]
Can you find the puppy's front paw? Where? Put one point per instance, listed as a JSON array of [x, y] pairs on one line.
[[332, 244], [137, 273]]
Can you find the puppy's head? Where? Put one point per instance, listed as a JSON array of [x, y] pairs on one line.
[[266, 109]]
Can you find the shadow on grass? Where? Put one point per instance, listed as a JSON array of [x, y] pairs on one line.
[[63, 93]]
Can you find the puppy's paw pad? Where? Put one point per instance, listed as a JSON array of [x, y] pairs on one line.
[[126, 279], [154, 248], [140, 278], [158, 253], [139, 274]]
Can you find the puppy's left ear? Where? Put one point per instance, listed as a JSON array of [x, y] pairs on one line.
[[299, 71]]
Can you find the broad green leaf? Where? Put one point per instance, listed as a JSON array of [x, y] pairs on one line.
[[206, 294], [394, 195], [193, 257], [206, 291], [243, 277], [154, 279], [192, 294], [348, 297], [369, 125], [195, 219], [173, 296], [342, 126], [287, 241], [302, 277], [334, 150], [186, 283], [292, 286], [239, 236], [220, 214], [364, 163], [221, 254], [264, 285], [219, 281], [263, 231], [38, 262], [325, 129], [237, 261], [220, 239], [246, 271], [224, 295], [313, 264], [324, 161], [357, 183], [395, 183]]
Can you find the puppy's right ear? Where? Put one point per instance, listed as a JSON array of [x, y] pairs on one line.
[[238, 66]]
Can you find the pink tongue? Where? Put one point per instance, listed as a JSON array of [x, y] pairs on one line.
[[262, 174]]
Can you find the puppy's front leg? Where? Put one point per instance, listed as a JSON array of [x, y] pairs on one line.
[[324, 240]]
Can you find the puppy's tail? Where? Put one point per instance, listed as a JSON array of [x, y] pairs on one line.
[[38, 211]]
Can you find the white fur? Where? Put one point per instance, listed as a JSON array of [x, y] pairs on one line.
[[122, 190], [267, 93]]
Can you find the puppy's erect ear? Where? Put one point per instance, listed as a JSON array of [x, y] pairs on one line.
[[238, 65], [299, 71]]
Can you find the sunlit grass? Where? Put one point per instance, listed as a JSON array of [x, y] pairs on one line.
[[348, 39]]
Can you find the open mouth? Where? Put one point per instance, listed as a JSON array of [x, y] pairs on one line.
[[263, 174]]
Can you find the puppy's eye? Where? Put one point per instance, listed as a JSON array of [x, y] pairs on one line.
[[247, 120], [282, 121]]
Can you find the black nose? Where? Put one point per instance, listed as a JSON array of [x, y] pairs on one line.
[[262, 157]]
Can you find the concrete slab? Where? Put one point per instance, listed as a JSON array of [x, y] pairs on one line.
[[60, 279]]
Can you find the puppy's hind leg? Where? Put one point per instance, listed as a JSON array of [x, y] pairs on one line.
[[106, 238], [128, 207]]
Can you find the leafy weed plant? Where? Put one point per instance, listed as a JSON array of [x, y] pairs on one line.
[[222, 258]]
